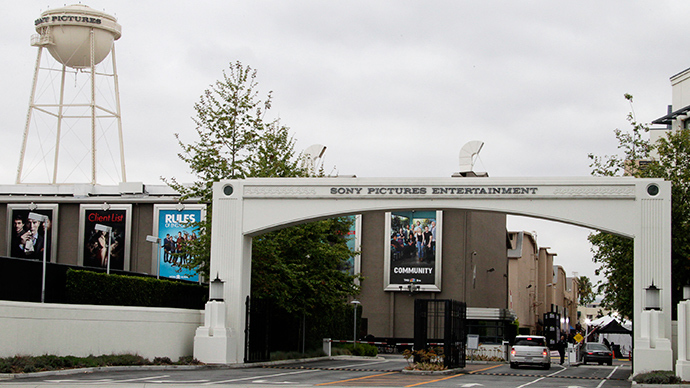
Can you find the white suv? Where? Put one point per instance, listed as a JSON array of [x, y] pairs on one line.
[[530, 350]]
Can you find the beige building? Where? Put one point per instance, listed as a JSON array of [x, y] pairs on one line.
[[536, 286]]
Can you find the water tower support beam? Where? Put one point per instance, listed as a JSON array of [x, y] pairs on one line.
[[59, 123], [93, 108], [119, 115], [28, 117]]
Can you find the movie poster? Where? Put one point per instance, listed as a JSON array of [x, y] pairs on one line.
[[413, 250], [29, 238], [174, 229], [100, 246]]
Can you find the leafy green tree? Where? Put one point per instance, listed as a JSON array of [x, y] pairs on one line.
[[585, 291], [302, 268], [299, 268], [614, 253], [229, 124], [668, 158]]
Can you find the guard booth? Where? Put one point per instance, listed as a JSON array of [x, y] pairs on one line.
[[441, 322]]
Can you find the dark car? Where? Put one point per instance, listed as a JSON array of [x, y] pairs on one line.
[[596, 352]]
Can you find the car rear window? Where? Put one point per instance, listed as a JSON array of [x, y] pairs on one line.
[[529, 341]]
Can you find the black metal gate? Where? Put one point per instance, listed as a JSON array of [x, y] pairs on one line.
[[441, 322], [256, 331]]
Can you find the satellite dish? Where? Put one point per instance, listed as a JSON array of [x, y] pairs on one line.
[[468, 154], [310, 158]]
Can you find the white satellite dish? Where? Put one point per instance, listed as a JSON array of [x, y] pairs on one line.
[[311, 156], [468, 154]]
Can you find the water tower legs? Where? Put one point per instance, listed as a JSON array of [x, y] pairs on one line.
[[64, 107]]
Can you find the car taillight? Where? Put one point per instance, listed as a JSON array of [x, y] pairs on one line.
[[544, 352], [512, 351], [590, 353]]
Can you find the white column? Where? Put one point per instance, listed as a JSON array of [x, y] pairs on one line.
[[652, 329], [231, 262], [683, 362]]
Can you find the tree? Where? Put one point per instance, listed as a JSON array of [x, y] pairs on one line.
[[299, 268], [229, 124], [669, 159], [302, 268], [614, 253], [585, 291]]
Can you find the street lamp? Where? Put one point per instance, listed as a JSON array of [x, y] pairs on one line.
[[109, 230], [157, 241], [43, 219], [354, 336], [652, 297], [216, 289]]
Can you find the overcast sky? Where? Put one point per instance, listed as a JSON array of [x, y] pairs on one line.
[[392, 88]]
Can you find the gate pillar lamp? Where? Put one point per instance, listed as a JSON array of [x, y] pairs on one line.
[[652, 297], [109, 230], [216, 289], [354, 335], [686, 292], [157, 241], [42, 219]]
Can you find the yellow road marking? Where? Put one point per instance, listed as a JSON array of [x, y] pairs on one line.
[[358, 378], [433, 381], [482, 370]]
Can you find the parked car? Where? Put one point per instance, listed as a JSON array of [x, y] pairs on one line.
[[596, 352], [530, 350]]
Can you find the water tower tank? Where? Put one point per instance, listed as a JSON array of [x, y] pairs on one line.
[[65, 33]]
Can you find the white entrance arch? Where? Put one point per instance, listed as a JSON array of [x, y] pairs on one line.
[[638, 208]]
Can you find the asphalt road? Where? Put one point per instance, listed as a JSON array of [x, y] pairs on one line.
[[342, 372]]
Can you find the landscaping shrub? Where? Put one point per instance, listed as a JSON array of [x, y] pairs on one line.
[[657, 377], [28, 364]]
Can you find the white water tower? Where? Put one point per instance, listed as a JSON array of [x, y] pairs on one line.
[[74, 104]]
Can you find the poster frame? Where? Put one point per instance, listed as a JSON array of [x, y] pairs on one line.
[[54, 225], [157, 208], [83, 208], [438, 264]]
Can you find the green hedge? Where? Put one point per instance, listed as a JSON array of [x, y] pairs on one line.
[[86, 287]]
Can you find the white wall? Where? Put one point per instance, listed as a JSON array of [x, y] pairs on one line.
[[81, 330]]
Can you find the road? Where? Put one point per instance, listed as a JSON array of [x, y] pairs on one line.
[[350, 372]]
